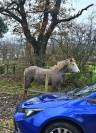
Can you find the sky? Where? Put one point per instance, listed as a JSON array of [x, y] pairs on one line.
[[79, 4]]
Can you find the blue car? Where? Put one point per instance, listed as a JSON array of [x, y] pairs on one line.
[[56, 113]]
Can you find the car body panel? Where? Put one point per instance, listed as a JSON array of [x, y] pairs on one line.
[[55, 107]]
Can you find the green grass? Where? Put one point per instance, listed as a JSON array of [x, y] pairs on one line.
[[6, 126], [11, 87], [17, 88]]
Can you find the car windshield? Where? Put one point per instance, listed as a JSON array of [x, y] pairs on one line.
[[87, 90]]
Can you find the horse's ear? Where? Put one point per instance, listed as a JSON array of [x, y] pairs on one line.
[[72, 59]]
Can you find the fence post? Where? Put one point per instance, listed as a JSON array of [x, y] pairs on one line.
[[46, 82], [14, 69], [7, 68]]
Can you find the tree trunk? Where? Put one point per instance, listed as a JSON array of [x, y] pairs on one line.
[[39, 48], [40, 54]]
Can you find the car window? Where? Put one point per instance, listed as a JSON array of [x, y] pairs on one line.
[[87, 90]]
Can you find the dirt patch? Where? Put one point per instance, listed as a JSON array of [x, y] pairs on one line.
[[8, 104]]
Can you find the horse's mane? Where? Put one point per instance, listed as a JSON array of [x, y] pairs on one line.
[[58, 66], [61, 64]]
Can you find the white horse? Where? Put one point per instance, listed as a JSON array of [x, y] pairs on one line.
[[55, 74]]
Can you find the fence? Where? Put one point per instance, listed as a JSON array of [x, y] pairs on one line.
[[7, 69], [16, 71]]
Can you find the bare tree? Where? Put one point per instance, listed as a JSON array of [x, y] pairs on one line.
[[51, 12], [83, 40]]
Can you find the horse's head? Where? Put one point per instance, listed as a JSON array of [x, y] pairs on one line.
[[72, 66], [68, 65]]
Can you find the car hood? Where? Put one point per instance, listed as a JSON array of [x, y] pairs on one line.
[[49, 101]]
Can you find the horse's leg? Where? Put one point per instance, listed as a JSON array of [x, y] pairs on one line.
[[59, 88], [54, 85], [25, 93], [27, 83], [60, 82]]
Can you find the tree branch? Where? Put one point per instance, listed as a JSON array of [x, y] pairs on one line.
[[25, 27], [13, 16], [45, 19], [75, 16], [11, 4], [22, 20], [9, 13], [22, 2], [54, 13], [50, 29]]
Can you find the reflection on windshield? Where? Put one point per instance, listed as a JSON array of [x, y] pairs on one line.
[[87, 90]]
